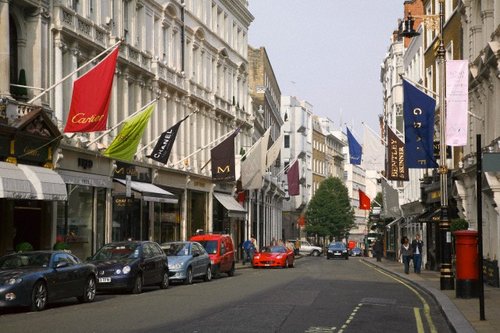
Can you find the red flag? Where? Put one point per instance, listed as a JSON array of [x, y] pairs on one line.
[[364, 201], [293, 179], [90, 101]]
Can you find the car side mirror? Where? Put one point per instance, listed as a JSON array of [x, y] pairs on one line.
[[61, 264]]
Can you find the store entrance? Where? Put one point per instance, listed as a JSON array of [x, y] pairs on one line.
[[28, 224]]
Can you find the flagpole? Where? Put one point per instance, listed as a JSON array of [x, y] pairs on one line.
[[71, 74], [287, 167], [418, 85], [130, 116], [154, 140]]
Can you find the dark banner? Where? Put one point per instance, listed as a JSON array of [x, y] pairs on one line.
[[396, 164], [162, 149], [418, 109], [222, 157]]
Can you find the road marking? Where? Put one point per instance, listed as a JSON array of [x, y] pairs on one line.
[[418, 320], [426, 307], [351, 318]]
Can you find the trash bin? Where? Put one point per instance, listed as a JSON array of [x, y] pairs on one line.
[[467, 271]]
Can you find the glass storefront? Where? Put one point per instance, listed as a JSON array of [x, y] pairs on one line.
[[76, 217], [166, 222], [126, 219]]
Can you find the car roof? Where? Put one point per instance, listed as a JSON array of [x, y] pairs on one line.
[[208, 236]]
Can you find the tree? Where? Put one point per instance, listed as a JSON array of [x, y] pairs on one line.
[[329, 212]]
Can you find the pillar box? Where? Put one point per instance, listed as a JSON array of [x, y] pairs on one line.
[[467, 271]]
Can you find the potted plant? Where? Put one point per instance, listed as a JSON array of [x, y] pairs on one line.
[[24, 247]]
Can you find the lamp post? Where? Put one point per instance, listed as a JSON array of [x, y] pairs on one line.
[[446, 274]]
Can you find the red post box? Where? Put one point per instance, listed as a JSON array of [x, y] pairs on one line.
[[467, 255]]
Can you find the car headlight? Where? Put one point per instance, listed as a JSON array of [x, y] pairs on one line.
[[330, 251], [126, 269], [177, 265], [13, 281], [279, 257], [344, 251]]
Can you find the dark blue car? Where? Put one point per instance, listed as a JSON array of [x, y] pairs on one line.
[[31, 279], [130, 265]]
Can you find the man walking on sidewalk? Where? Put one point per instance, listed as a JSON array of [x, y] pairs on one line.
[[416, 246]]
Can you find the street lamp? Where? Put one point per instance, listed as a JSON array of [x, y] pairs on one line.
[[436, 22]]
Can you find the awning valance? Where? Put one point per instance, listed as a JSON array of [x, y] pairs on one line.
[[47, 184], [388, 226], [233, 207], [150, 192], [13, 183], [88, 179]]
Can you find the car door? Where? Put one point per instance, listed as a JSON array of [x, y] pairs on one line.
[[148, 264], [160, 261], [196, 251], [64, 279]]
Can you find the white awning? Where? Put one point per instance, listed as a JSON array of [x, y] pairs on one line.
[[47, 183], [88, 179], [13, 183], [233, 207], [393, 222], [150, 192]]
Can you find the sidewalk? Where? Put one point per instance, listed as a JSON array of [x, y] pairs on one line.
[[462, 314]]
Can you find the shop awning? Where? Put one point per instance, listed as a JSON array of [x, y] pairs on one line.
[[88, 179], [388, 226], [13, 183], [233, 207], [150, 192], [47, 183], [430, 216]]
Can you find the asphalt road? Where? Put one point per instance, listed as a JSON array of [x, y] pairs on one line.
[[318, 295]]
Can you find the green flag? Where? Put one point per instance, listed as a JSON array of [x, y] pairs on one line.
[[125, 144]]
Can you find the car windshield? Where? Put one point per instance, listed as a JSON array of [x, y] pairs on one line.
[[20, 260], [274, 249], [337, 246], [210, 246], [117, 251], [176, 249]]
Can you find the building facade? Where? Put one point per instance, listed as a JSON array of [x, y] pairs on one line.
[[189, 56]]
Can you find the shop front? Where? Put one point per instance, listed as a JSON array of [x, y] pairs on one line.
[[29, 187], [137, 203], [81, 220], [229, 216]]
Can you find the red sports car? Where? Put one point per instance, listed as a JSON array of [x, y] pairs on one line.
[[274, 256]]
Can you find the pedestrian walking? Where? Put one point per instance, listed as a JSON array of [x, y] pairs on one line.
[[416, 247], [248, 251], [378, 249], [405, 253]]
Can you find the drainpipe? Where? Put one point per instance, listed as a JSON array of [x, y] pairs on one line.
[[183, 34]]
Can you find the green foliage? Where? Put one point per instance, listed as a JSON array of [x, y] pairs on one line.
[[61, 246], [24, 247], [329, 213], [459, 224]]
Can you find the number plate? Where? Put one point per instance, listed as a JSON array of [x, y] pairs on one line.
[[266, 265], [337, 254], [105, 280]]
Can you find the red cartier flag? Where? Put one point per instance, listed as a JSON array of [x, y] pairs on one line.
[[364, 201], [91, 93]]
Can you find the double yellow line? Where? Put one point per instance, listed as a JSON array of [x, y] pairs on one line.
[[426, 308]]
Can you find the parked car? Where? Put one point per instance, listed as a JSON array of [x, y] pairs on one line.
[[187, 260], [220, 249], [131, 265], [355, 252], [33, 278], [337, 250], [307, 249], [274, 256]]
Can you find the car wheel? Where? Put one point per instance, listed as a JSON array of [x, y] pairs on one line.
[[231, 271], [291, 265], [88, 291], [189, 276], [137, 289], [39, 296], [164, 282], [208, 274], [346, 258], [315, 253]]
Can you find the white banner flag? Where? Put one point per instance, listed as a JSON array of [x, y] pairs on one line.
[[274, 151], [457, 100], [373, 157]]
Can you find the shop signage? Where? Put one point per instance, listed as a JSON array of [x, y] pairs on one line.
[[136, 173], [121, 201], [32, 149], [85, 163]]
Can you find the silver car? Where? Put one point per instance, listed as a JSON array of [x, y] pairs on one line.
[[187, 261]]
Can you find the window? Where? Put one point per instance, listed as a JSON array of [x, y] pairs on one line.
[[287, 141]]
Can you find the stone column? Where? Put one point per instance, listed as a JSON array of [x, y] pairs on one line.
[[4, 49], [58, 75]]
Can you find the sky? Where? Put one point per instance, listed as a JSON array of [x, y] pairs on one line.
[[329, 52]]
